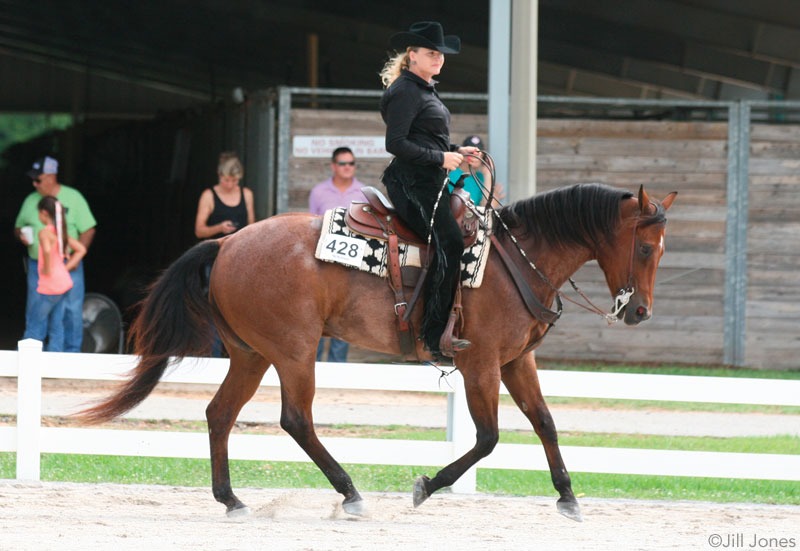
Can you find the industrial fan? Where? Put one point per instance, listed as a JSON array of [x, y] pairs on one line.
[[103, 332]]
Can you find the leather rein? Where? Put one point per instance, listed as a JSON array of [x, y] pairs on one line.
[[532, 303]]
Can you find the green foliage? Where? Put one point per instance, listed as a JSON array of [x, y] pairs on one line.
[[18, 128]]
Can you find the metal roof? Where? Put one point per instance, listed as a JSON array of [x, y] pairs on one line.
[[140, 56]]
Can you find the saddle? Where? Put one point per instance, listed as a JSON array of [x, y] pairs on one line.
[[377, 218]]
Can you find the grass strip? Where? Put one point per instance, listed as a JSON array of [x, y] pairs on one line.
[[779, 444], [379, 478], [671, 369], [656, 405]]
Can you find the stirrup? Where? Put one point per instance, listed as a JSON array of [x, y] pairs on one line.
[[450, 347]]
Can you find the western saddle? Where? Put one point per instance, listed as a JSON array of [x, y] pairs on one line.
[[377, 218]]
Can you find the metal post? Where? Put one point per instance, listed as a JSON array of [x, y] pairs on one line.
[[735, 313], [522, 134], [284, 148], [261, 153], [271, 150], [499, 84], [29, 408]]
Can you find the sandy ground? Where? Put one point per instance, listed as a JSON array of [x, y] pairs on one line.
[[68, 517]]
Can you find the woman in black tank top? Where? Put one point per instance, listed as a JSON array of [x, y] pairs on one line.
[[222, 210], [226, 207], [236, 215]]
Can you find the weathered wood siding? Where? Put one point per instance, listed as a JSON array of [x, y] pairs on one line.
[[664, 156], [690, 157]]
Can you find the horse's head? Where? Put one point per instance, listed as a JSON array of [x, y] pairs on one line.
[[630, 259]]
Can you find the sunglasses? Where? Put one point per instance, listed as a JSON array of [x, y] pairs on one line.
[[346, 163]]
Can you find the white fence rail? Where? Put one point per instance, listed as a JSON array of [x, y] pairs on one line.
[[28, 439]]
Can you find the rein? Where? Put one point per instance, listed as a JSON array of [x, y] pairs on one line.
[[620, 300]]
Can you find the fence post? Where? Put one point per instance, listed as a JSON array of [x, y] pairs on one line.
[[29, 408], [284, 149], [460, 431], [735, 310]]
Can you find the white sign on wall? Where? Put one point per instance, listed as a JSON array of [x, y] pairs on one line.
[[323, 146]]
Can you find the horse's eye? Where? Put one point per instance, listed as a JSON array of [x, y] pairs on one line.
[[645, 250]]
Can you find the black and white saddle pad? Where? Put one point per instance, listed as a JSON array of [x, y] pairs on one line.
[[339, 244]]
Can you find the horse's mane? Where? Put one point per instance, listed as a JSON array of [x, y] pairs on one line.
[[582, 214]]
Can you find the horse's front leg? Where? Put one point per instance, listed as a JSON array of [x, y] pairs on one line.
[[522, 383], [482, 394]]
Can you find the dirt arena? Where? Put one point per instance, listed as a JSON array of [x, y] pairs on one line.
[[67, 516]]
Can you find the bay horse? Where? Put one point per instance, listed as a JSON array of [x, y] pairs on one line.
[[271, 301]]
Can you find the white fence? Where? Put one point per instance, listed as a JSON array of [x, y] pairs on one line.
[[29, 439]]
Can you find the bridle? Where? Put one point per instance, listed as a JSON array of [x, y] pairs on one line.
[[622, 297]]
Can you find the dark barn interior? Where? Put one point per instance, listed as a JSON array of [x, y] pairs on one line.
[[150, 86]]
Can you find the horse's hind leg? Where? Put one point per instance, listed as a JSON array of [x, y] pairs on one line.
[[522, 383], [245, 373], [297, 395]]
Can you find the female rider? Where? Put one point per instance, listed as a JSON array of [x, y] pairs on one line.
[[418, 135]]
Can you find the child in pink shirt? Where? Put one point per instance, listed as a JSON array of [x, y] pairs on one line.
[[54, 278]]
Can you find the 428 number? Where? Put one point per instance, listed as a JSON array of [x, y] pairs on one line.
[[344, 248]]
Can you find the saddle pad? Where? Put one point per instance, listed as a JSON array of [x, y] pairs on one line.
[[376, 254]]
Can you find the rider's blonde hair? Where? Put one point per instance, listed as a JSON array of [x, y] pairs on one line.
[[396, 63]]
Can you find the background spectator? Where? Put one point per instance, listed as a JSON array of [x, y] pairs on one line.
[[339, 190], [81, 225], [47, 313], [224, 209]]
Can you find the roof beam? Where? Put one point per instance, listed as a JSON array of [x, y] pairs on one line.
[[582, 40]]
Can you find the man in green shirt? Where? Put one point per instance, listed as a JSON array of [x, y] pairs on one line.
[[80, 225]]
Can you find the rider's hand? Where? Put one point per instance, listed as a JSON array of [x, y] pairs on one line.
[[472, 155], [452, 160]]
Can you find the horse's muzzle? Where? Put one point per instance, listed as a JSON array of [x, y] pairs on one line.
[[635, 314]]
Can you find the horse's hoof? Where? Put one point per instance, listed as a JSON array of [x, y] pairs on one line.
[[420, 492], [357, 508], [570, 509], [238, 512]]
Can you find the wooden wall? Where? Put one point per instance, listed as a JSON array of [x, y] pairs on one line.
[[688, 157]]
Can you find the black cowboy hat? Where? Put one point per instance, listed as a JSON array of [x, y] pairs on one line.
[[428, 34]]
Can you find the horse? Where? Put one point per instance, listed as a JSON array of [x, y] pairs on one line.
[[272, 301]]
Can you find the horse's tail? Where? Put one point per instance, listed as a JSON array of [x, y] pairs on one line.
[[173, 321]]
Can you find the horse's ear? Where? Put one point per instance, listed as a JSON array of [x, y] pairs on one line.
[[667, 201], [644, 201]]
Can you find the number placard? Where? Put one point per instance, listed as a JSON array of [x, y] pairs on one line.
[[343, 249]]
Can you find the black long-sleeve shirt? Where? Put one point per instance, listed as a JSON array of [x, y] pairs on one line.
[[417, 122]]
